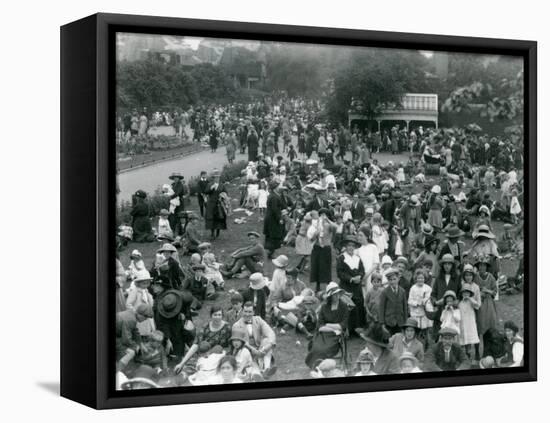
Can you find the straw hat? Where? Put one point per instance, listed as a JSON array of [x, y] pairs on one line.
[[167, 247], [427, 229], [142, 275], [454, 232], [468, 268], [331, 289], [281, 261], [170, 304], [257, 281], [467, 287], [449, 293], [436, 189], [408, 356], [483, 231], [175, 175]]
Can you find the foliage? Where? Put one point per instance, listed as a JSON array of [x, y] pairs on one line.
[[297, 70], [212, 83], [507, 104], [144, 144], [375, 79]]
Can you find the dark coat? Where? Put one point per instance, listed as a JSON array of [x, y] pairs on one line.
[[261, 299], [141, 224], [274, 229], [214, 216], [180, 191], [440, 287], [357, 317], [393, 307], [358, 211], [434, 359]]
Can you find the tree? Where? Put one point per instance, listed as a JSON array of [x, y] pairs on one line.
[[212, 83], [375, 79]]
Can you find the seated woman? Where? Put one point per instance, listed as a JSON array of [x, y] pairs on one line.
[[333, 320], [291, 289], [407, 341], [350, 271], [216, 332], [513, 346]]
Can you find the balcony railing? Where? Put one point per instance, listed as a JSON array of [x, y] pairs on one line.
[[420, 102]]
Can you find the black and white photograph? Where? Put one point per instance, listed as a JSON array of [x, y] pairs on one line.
[[295, 211]]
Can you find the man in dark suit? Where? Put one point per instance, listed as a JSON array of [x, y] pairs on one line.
[[180, 192], [446, 354], [357, 209], [393, 303], [201, 193]]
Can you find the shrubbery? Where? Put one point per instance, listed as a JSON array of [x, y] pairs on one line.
[[147, 143]]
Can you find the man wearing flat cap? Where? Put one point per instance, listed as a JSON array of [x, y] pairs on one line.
[[252, 257]]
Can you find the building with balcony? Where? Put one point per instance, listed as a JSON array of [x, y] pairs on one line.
[[415, 110]]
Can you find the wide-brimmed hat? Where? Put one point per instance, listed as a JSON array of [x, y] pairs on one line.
[[408, 356], [169, 304], [410, 323], [449, 293], [204, 245], [140, 193], [332, 288], [467, 287], [430, 240], [482, 259], [167, 247], [350, 239], [145, 310], [483, 231], [436, 189], [280, 261], [257, 281], [427, 229], [401, 259], [175, 175], [447, 331], [238, 335], [375, 334], [485, 210], [454, 232], [468, 268], [164, 212], [142, 275], [135, 253], [413, 200]]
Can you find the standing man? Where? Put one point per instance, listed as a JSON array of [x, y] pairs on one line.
[[274, 228], [180, 192], [252, 142], [201, 193]]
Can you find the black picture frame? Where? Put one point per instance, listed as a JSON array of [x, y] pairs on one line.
[[88, 213]]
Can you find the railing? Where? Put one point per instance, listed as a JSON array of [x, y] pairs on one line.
[[420, 102]]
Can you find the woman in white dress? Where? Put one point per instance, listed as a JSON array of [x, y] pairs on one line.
[[368, 253]]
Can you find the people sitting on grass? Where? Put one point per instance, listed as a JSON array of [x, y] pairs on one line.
[[260, 341], [250, 257], [446, 354]]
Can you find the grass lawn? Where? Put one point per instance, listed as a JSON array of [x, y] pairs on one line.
[[292, 348]]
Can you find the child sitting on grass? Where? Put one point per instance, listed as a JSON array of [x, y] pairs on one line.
[[212, 271]]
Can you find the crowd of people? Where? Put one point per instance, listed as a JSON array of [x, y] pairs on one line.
[[402, 256]]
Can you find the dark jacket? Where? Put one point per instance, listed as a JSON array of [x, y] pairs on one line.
[[261, 299], [434, 359], [358, 211], [440, 287], [393, 307]]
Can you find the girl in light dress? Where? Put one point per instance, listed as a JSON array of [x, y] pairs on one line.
[[262, 197], [450, 316], [164, 230], [212, 271], [419, 295], [468, 335], [515, 207], [136, 264], [379, 237]]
